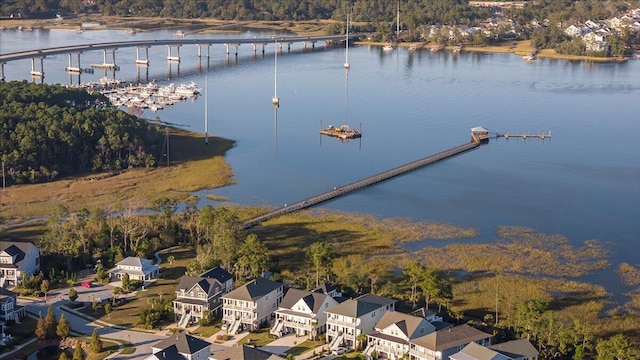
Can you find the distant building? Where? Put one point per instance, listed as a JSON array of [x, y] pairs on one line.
[[137, 268], [303, 313], [252, 304], [197, 294], [512, 350], [441, 344], [392, 335], [9, 308], [18, 260], [243, 352], [180, 346]]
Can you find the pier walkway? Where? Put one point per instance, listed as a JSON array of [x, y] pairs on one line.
[[355, 186]]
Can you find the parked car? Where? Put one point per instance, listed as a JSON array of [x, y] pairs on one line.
[[339, 351], [87, 284]]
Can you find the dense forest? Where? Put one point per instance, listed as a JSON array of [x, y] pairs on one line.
[[50, 131]]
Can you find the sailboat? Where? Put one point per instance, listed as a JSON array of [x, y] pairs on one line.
[[275, 100], [346, 62]]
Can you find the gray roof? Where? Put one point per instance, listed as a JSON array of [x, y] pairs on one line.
[[134, 261], [170, 353], [451, 337], [184, 343], [217, 273], [313, 300], [6, 295], [516, 349], [362, 305], [325, 288], [474, 351], [206, 284], [17, 249], [244, 352], [408, 324], [254, 290]]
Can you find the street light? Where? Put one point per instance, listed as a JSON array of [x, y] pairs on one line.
[[129, 338]]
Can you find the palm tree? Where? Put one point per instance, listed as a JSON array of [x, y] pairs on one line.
[[116, 292]]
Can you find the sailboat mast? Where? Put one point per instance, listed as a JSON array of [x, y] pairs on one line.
[[346, 62], [275, 100], [206, 110], [398, 23]]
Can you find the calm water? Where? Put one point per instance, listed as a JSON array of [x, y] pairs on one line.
[[584, 183]]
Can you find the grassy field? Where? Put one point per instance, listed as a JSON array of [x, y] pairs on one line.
[[194, 166], [303, 347]]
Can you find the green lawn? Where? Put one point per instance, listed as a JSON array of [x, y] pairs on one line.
[[260, 338], [304, 347]]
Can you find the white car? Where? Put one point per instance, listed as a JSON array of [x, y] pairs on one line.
[[339, 351]]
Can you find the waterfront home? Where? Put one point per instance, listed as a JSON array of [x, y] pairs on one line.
[[302, 312], [9, 308], [520, 349], [18, 260], [137, 268], [196, 295], [353, 317], [180, 346], [439, 345], [252, 305], [392, 334]]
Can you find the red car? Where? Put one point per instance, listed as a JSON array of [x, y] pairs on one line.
[[87, 284]]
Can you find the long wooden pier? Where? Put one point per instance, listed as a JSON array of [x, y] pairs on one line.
[[541, 136], [355, 186]]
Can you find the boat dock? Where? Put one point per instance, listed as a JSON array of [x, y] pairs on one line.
[[524, 136], [343, 132], [336, 192]]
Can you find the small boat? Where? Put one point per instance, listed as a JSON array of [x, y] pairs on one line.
[[531, 58], [130, 31], [387, 47], [343, 132], [436, 48], [457, 49], [179, 33]]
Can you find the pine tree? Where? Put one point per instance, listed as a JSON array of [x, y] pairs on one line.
[[96, 342], [78, 354], [64, 328], [41, 329], [50, 323], [63, 356]]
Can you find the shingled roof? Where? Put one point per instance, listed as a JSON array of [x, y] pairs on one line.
[[184, 343], [362, 305], [451, 337], [254, 290]]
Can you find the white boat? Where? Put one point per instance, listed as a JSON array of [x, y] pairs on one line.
[[387, 47], [179, 33], [187, 89]]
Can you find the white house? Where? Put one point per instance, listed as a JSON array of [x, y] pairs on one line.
[[252, 304], [392, 334], [302, 312], [17, 260], [353, 317], [439, 345], [181, 346], [137, 268]]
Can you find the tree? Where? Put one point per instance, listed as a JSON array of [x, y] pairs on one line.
[[64, 328], [41, 329], [414, 271], [78, 354], [320, 256], [253, 257], [50, 323], [73, 294], [126, 282], [44, 287], [171, 259], [117, 291], [107, 310], [617, 347], [63, 356], [96, 342]]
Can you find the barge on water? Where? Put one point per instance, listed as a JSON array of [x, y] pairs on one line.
[[343, 132]]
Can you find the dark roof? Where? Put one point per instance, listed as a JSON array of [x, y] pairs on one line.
[[17, 249], [217, 273], [170, 353], [244, 352], [441, 325], [208, 285], [313, 300], [516, 348], [362, 305], [451, 337], [254, 290], [325, 288], [184, 343]]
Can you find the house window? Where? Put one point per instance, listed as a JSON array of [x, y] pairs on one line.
[[191, 293], [201, 295]]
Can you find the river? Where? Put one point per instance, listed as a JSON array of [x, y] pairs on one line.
[[584, 183]]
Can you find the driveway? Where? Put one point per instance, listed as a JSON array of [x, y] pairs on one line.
[[281, 345]]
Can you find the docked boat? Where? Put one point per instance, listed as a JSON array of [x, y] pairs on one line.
[[387, 47], [179, 33], [343, 132], [532, 57]]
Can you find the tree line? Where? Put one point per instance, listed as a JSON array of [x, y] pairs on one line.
[[50, 131]]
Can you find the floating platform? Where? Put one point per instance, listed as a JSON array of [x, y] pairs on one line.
[[106, 66], [343, 132], [524, 136]]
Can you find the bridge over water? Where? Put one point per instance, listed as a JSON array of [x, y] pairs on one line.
[[171, 44], [478, 135]]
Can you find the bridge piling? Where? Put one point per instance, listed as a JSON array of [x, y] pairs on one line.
[[1, 71], [144, 61], [71, 68], [170, 56], [34, 72]]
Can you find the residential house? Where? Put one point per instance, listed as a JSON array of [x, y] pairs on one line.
[[243, 352], [9, 308], [592, 25], [303, 313], [137, 268], [181, 346], [577, 30], [439, 345], [330, 290], [596, 41], [520, 349], [354, 317], [392, 335], [251, 305], [196, 295], [18, 260]]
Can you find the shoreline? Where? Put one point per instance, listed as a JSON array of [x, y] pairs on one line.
[[310, 28]]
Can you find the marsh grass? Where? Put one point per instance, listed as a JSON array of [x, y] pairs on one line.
[[194, 166]]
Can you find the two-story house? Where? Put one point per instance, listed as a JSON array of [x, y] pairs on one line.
[[392, 334], [520, 349], [180, 346], [251, 305], [17, 260], [353, 317], [197, 294], [303, 313], [9, 308], [439, 345], [242, 352], [137, 268]]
